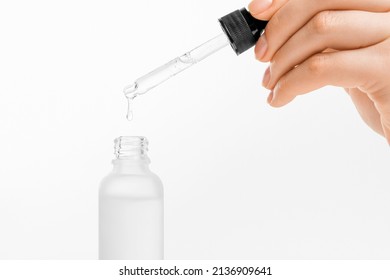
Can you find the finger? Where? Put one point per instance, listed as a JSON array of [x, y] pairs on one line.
[[346, 30], [367, 110], [348, 69], [381, 100], [265, 9], [386, 128], [296, 13]]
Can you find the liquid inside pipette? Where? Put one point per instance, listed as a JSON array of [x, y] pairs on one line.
[[170, 69]]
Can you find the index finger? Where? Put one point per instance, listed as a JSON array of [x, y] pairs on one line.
[[265, 9], [296, 13]]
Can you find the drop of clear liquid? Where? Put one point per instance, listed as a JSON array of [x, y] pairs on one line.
[[129, 115], [130, 93]]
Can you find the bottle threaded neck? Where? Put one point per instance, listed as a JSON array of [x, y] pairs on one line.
[[127, 147]]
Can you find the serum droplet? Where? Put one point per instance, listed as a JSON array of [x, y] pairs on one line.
[[130, 93], [129, 115]]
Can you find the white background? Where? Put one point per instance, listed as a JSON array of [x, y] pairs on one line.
[[242, 180]]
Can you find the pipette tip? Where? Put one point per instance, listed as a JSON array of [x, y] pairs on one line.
[[131, 90]]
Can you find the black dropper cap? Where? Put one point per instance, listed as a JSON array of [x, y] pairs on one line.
[[242, 29]]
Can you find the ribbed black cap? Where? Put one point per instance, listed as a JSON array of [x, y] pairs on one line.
[[242, 29]]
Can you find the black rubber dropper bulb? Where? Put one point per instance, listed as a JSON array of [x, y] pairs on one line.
[[242, 29]]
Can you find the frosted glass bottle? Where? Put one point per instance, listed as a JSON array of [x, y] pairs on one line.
[[131, 210]]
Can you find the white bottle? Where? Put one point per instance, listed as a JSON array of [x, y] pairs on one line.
[[131, 209]]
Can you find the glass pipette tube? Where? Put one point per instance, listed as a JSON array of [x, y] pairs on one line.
[[175, 66], [242, 32]]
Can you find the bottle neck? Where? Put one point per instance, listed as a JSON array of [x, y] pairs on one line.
[[131, 166], [131, 147], [131, 155]]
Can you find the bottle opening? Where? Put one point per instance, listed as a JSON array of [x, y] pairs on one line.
[[130, 147]]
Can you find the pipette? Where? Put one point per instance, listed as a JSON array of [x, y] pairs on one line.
[[241, 31]]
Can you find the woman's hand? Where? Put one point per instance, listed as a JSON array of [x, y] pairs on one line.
[[311, 44]]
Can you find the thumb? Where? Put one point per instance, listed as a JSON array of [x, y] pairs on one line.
[[367, 110], [381, 99], [386, 128], [378, 89]]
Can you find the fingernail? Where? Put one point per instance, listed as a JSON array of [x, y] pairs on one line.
[[261, 47], [270, 97], [267, 77], [259, 6]]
